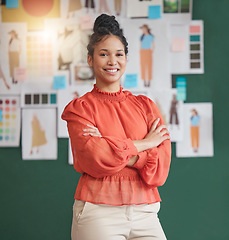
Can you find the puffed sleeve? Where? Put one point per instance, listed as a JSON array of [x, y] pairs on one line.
[[154, 164], [96, 156]]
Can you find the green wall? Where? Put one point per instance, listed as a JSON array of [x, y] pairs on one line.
[[37, 196]]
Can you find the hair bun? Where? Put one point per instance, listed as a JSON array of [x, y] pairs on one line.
[[106, 23]]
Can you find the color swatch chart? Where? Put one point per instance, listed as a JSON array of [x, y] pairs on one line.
[[40, 100], [39, 56], [196, 46], [9, 121]]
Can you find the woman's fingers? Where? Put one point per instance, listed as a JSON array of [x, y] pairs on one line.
[[165, 131], [92, 131], [155, 124]]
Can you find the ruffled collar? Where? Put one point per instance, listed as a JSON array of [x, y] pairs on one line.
[[109, 96]]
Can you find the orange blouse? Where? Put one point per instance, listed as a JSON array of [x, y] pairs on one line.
[[120, 117]]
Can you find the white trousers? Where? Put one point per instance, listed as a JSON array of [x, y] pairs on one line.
[[106, 222]]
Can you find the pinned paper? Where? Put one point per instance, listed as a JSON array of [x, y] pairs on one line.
[[131, 80], [154, 12], [12, 3], [181, 85], [178, 45], [59, 82], [20, 74], [86, 22]]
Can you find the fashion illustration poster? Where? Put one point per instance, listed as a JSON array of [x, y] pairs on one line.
[[171, 110], [198, 131], [148, 55], [39, 140], [13, 55]]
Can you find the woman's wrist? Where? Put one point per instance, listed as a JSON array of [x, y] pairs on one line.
[[142, 145]]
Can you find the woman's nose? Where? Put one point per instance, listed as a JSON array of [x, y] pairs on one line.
[[112, 61]]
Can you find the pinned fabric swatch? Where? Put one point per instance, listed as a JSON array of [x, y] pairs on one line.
[[131, 80], [178, 45], [181, 85], [12, 3], [59, 82], [154, 12]]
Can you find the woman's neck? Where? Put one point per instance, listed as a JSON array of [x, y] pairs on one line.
[[112, 87]]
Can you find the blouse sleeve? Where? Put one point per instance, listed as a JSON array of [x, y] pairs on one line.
[[96, 156], [154, 164]]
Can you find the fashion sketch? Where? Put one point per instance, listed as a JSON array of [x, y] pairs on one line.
[[38, 135], [14, 50], [147, 46], [194, 128], [173, 111]]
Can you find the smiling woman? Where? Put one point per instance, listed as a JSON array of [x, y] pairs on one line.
[[120, 145]]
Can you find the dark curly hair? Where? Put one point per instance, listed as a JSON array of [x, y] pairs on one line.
[[105, 25]]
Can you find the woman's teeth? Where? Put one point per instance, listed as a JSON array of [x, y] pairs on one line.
[[112, 70]]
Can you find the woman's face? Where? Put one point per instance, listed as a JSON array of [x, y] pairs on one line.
[[109, 60]]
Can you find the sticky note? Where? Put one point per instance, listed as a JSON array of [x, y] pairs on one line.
[[178, 45], [0, 115], [86, 22], [20, 74], [131, 80], [59, 82], [181, 85], [12, 3], [154, 12]]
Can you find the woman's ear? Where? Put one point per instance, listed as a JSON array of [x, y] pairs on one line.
[[90, 60]]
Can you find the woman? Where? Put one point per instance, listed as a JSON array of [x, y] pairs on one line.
[[14, 53], [146, 55], [120, 146]]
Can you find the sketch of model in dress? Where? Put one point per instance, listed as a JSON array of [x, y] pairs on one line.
[[38, 135], [73, 5], [90, 4], [173, 111], [66, 43], [14, 51], [194, 129], [147, 46], [103, 7]]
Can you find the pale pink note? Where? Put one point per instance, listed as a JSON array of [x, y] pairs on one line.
[[20, 74], [178, 45], [86, 22]]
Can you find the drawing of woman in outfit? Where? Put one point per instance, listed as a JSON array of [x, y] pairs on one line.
[[89, 4], [173, 111], [38, 134], [103, 7], [14, 51], [195, 120], [118, 6], [73, 6], [146, 54]]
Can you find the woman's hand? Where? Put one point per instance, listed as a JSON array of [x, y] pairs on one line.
[[154, 138], [92, 131], [156, 134]]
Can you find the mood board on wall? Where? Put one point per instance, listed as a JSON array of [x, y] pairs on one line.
[[43, 66]]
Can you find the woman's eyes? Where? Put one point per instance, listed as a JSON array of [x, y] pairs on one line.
[[105, 54]]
